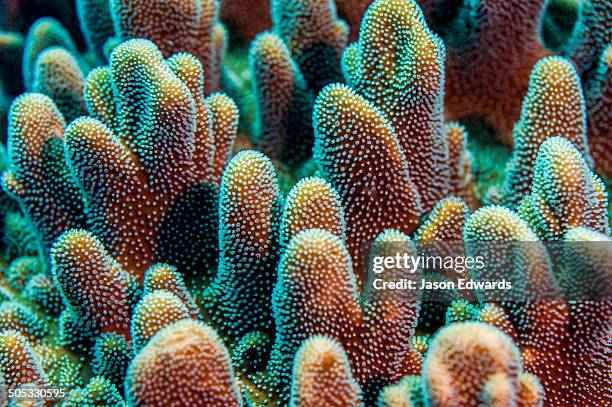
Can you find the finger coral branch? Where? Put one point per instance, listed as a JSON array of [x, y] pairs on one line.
[[150, 166], [38, 176], [541, 327], [493, 359], [398, 66], [57, 74], [599, 107], [565, 193], [224, 116], [175, 26], [155, 311], [315, 262], [182, 354], [92, 283], [96, 23], [316, 294], [314, 36], [249, 213], [98, 159], [482, 41], [18, 363], [461, 182], [284, 103], [44, 33], [445, 222], [311, 204], [322, 375], [553, 106], [592, 34], [376, 193], [165, 277], [98, 392]]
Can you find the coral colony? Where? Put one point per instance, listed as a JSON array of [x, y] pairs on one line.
[[242, 203]]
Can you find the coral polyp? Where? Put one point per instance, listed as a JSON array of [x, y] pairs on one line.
[[314, 203]]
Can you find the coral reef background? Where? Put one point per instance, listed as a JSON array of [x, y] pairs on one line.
[[194, 193]]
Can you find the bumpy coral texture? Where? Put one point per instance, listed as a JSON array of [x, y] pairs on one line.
[[38, 175], [317, 262], [154, 312], [93, 284], [98, 392], [284, 102], [192, 355], [312, 204], [554, 106], [495, 367], [148, 260], [376, 194], [314, 36], [248, 236], [592, 34], [557, 338], [97, 25], [44, 33], [489, 59], [565, 193], [322, 375], [57, 74], [18, 363], [398, 66], [599, 109], [112, 355], [175, 26], [167, 149]]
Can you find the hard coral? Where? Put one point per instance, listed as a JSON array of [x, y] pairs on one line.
[[553, 106], [398, 66], [167, 142], [175, 26], [190, 354], [377, 193], [489, 58], [565, 193]]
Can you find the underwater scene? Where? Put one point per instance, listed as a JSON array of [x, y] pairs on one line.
[[306, 203]]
